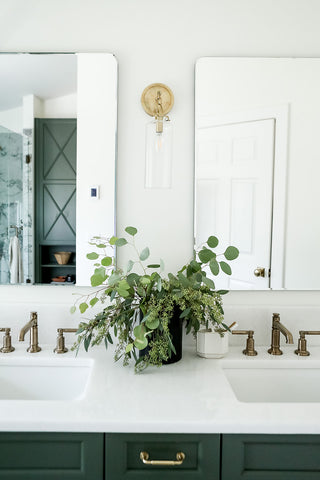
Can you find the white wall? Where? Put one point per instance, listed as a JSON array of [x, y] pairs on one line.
[[160, 42], [12, 119], [60, 107]]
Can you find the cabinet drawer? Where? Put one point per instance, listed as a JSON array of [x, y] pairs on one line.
[[270, 457], [202, 456], [51, 456]]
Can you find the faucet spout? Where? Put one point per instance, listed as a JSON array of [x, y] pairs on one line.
[[32, 325], [278, 328], [288, 335], [24, 330]]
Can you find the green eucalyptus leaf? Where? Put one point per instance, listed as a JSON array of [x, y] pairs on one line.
[[92, 256], [159, 284], [196, 266], [106, 343], [145, 280], [87, 342], [225, 268], [185, 313], [231, 253], [97, 280], [172, 348], [162, 265], [144, 254], [93, 301], [83, 307], [120, 242], [222, 292], [101, 245], [131, 231], [113, 240], [106, 261], [100, 271], [205, 255], [113, 279], [133, 279], [123, 293], [73, 309], [154, 265], [209, 282], [212, 242], [129, 347], [113, 295], [124, 284], [183, 280], [129, 266], [198, 277], [109, 338], [214, 266]]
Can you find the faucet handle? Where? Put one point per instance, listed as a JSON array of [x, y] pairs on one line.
[[7, 345], [302, 342], [249, 350], [61, 348]]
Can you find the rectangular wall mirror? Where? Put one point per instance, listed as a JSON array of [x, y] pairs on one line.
[[257, 167], [58, 119]]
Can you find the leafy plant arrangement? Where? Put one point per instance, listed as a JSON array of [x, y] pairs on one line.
[[142, 307]]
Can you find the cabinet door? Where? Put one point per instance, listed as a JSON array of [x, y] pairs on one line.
[[270, 457], [202, 456], [51, 456]]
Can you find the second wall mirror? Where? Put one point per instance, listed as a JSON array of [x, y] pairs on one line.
[[257, 167]]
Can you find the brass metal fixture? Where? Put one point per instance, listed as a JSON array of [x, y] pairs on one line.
[[32, 325], [278, 328], [7, 346], [180, 456], [249, 350], [260, 272], [61, 348], [157, 100], [302, 342]]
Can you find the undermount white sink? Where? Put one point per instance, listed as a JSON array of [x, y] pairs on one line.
[[275, 384], [44, 379]]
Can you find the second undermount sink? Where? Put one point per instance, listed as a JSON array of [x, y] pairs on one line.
[[275, 384], [44, 379]]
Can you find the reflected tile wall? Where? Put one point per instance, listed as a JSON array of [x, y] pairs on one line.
[[15, 199]]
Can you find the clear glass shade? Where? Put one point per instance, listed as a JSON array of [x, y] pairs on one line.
[[158, 155]]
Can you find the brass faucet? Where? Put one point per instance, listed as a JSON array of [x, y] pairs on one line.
[[61, 348], [7, 346], [249, 350], [302, 342], [32, 325], [278, 328]]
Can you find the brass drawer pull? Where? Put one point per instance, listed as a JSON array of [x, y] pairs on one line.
[[180, 456]]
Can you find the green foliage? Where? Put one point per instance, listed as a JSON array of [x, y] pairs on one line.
[[140, 304]]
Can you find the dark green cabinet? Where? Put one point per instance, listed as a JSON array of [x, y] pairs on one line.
[[123, 462], [116, 456], [51, 456], [270, 457], [55, 196]]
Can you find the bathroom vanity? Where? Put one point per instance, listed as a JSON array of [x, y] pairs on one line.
[[89, 418]]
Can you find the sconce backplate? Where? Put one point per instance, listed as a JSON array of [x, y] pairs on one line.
[[150, 102]]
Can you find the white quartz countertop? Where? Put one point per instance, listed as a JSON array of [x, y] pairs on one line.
[[191, 396]]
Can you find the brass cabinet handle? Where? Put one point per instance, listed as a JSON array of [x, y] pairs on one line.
[[180, 456]]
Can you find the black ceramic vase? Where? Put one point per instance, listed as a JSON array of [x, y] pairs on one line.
[[175, 328]]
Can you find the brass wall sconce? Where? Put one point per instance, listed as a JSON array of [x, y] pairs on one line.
[[157, 100]]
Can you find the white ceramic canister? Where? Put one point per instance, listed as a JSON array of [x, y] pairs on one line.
[[211, 344]]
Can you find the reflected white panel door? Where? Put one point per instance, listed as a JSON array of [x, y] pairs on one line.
[[234, 192]]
